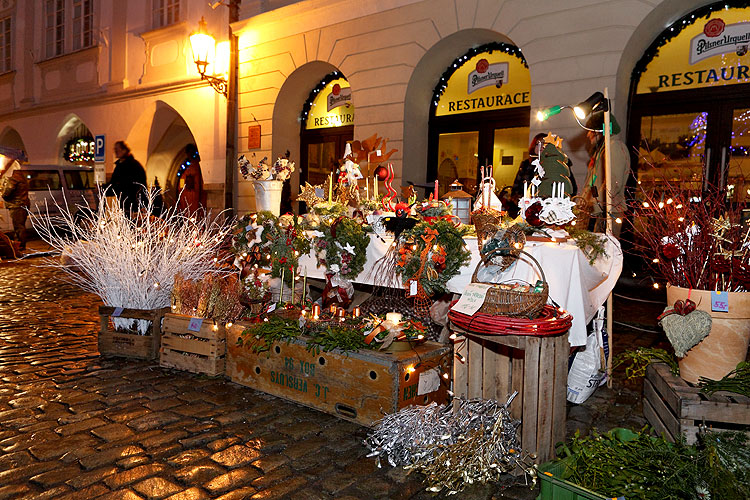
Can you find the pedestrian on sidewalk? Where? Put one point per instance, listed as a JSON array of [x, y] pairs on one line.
[[16, 196], [128, 180]]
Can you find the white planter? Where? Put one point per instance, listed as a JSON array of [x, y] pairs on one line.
[[268, 196]]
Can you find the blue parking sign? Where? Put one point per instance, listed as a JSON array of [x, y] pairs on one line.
[[100, 142]]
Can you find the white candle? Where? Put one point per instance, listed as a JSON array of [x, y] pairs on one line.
[[367, 188], [393, 317], [375, 187], [330, 188]]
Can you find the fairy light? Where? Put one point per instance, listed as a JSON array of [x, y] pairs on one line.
[[229, 324], [669, 201], [215, 327], [656, 285], [655, 261], [661, 204], [410, 369], [678, 206], [681, 219], [453, 336], [446, 376], [618, 220], [645, 204]]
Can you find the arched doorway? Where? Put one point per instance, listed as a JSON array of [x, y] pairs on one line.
[[10, 138], [327, 125], [480, 116], [689, 115]]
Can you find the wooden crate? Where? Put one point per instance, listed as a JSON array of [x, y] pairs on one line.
[[358, 386], [202, 351], [494, 366], [673, 406], [129, 345]]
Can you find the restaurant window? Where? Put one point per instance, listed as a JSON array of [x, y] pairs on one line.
[[165, 12], [327, 125], [480, 116], [6, 45], [68, 26], [690, 119]]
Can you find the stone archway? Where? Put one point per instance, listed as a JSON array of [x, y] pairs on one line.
[[286, 112], [12, 139], [419, 94]]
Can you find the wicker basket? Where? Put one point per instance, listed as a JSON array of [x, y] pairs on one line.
[[582, 210], [486, 221], [513, 303]]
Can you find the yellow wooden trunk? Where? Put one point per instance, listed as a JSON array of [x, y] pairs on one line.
[[201, 351], [358, 386]]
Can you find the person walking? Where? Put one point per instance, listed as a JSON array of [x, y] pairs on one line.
[[16, 196], [128, 180]]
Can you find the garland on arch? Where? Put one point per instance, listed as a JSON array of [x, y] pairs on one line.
[[432, 254]]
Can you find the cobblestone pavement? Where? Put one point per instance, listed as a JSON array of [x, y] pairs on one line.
[[74, 425]]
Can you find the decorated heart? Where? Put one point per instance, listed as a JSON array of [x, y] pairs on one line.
[[685, 332]]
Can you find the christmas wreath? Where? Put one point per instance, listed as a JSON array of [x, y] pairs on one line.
[[342, 248], [270, 241], [432, 254]]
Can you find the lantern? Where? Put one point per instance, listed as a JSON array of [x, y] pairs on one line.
[[460, 200]]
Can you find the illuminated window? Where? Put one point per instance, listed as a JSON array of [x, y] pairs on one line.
[[5, 45], [166, 12]]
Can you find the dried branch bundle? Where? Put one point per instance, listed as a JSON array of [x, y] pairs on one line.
[[131, 261]]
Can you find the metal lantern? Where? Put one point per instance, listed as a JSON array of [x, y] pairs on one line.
[[460, 200]]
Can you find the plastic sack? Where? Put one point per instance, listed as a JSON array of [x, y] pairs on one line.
[[586, 373]]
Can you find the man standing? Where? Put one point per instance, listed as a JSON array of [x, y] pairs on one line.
[[16, 197], [595, 189], [128, 180]]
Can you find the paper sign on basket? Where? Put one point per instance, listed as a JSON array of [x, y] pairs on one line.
[[472, 298], [195, 324], [720, 301], [429, 381], [117, 312], [412, 287]]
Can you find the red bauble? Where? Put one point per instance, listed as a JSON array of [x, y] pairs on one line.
[[381, 172], [532, 214], [670, 251]]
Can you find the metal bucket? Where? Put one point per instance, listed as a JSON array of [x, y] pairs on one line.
[[268, 196]]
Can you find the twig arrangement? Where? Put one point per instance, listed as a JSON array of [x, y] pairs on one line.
[[131, 260]]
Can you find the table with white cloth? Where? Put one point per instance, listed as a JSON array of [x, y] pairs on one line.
[[574, 284]]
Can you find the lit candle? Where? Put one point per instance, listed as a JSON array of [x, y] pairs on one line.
[[393, 317], [375, 187], [330, 188], [281, 287], [356, 312], [436, 190], [316, 311], [341, 312], [333, 309]]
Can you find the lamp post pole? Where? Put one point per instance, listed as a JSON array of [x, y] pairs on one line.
[[608, 219], [231, 132]]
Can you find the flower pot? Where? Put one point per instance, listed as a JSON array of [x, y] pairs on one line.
[[268, 196], [726, 345]]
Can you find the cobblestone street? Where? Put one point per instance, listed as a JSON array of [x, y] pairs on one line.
[[74, 425]]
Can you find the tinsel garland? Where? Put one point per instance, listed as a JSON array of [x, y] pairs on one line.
[[453, 445], [448, 253]]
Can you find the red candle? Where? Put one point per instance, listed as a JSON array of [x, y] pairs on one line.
[[436, 190]]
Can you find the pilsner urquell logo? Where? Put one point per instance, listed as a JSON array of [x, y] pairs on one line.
[[714, 28], [339, 97], [487, 74]]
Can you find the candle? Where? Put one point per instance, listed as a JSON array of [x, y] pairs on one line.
[[333, 309], [375, 187], [341, 312], [316, 311], [367, 188], [393, 317], [356, 312], [304, 288], [281, 287], [436, 190], [330, 188], [525, 189], [294, 286]]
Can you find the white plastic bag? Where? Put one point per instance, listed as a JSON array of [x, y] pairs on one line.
[[586, 373]]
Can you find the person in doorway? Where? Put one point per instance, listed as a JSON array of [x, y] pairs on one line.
[[128, 180], [192, 196], [595, 189], [16, 196], [526, 172]]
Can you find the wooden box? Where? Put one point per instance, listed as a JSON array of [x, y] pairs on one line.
[[130, 345], [494, 366], [673, 406], [358, 386], [198, 351]]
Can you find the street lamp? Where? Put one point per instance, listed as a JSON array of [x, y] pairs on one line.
[[204, 53]]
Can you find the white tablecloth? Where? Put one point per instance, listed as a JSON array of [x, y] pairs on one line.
[[574, 284]]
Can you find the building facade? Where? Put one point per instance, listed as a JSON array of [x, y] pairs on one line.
[[73, 71]]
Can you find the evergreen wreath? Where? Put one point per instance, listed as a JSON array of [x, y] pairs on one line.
[[281, 243], [343, 246], [446, 254]]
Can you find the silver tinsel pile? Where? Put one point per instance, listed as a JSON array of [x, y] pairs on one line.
[[453, 445]]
